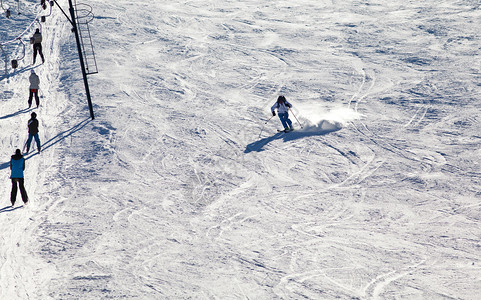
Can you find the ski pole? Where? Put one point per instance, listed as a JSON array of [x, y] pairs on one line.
[[264, 125], [24, 145], [295, 117]]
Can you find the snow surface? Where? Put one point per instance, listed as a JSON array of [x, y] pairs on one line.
[[181, 188]]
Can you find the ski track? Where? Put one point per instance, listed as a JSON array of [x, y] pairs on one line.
[[21, 268], [170, 194]]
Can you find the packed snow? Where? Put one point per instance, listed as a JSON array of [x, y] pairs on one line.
[[182, 188]]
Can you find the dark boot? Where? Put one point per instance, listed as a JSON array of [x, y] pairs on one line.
[[23, 192], [30, 96], [13, 194]]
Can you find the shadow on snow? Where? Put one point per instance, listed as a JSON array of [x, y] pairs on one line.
[[65, 134], [325, 127], [18, 71], [59, 137], [9, 208], [22, 111]]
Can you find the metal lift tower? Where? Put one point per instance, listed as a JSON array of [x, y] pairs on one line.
[[81, 30]]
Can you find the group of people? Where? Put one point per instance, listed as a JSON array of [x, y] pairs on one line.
[[17, 161], [36, 40]]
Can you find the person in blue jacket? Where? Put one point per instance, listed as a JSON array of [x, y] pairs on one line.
[[283, 107], [17, 166]]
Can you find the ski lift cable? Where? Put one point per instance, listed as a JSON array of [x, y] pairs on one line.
[[39, 24], [50, 13], [23, 51], [3, 51], [61, 9], [23, 33], [6, 59]]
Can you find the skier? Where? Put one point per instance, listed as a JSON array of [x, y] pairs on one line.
[[283, 107], [34, 86], [43, 4], [33, 132], [17, 165], [36, 40]]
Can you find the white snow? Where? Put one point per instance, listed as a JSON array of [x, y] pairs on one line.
[[179, 189]]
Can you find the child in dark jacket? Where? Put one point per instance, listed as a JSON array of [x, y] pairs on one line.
[[33, 132]]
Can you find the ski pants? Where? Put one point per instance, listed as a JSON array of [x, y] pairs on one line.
[[284, 117], [33, 92], [29, 140], [37, 48], [23, 192]]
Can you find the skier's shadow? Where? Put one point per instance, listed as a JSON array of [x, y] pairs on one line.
[[17, 71], [22, 111], [9, 208], [62, 135], [56, 139], [258, 145], [325, 127]]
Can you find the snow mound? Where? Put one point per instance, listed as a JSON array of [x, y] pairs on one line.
[[318, 117]]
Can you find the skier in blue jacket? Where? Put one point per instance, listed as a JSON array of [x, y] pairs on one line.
[[17, 165], [283, 107]]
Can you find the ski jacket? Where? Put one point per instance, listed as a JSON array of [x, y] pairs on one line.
[[17, 165], [33, 126], [281, 107], [37, 38], [34, 81]]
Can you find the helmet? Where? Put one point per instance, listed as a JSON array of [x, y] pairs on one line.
[[34, 115]]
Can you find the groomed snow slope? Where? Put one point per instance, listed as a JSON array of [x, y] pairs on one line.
[[179, 189]]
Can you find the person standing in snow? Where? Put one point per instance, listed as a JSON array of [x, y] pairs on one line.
[[17, 166], [282, 107], [33, 132], [36, 40], [34, 86]]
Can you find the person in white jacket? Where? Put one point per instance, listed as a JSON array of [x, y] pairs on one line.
[[34, 86], [283, 107], [36, 40]]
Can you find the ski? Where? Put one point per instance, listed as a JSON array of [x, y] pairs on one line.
[[285, 130]]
